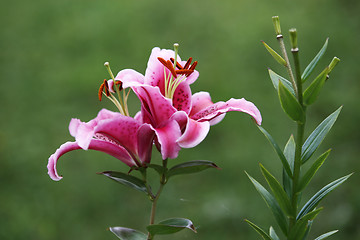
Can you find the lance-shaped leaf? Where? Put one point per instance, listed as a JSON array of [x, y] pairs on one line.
[[313, 91], [278, 151], [290, 105], [170, 226], [273, 234], [158, 168], [261, 232], [191, 167], [299, 230], [128, 233], [289, 153], [310, 68], [275, 78], [127, 180], [274, 54], [318, 135], [315, 200], [326, 235], [280, 195], [312, 170], [272, 205]]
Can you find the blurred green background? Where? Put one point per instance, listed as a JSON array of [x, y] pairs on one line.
[[51, 65]]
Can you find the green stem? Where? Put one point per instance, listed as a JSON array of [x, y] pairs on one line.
[[155, 199], [299, 140]]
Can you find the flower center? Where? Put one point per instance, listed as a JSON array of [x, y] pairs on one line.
[[177, 74]]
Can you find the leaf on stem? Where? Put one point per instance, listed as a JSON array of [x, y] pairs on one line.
[[191, 167], [273, 234], [127, 180], [277, 150], [158, 168], [289, 153], [312, 170], [315, 200], [272, 204], [301, 226], [275, 55], [290, 104], [261, 232], [312, 92], [275, 78], [128, 233], [278, 191], [318, 135], [170, 226], [326, 235], [310, 68]]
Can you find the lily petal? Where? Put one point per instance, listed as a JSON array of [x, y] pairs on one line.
[[194, 134], [99, 145], [182, 98], [167, 137], [130, 78], [240, 105], [145, 137]]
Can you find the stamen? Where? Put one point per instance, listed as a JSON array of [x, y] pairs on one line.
[[187, 64], [177, 63], [100, 91], [119, 83], [163, 61], [171, 68], [184, 71], [193, 66]]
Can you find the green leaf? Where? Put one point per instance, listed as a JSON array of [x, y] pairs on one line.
[[160, 169], [299, 230], [272, 204], [262, 233], [310, 68], [128, 233], [318, 135], [289, 153], [313, 91], [277, 150], [275, 55], [290, 105], [312, 170], [273, 234], [127, 180], [191, 167], [275, 78], [315, 200], [326, 235], [279, 193], [170, 226]]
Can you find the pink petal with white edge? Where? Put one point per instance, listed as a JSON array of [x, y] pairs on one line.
[[156, 107], [182, 98], [84, 132], [122, 130], [240, 105], [99, 145], [167, 137], [130, 78], [145, 137], [194, 134], [200, 101]]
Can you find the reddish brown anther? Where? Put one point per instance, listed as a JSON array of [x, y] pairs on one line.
[[178, 65], [187, 72], [187, 64], [119, 84], [103, 87]]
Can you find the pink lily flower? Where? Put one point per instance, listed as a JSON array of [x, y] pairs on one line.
[[179, 118], [122, 137]]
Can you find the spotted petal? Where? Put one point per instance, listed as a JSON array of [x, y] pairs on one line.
[[99, 145], [241, 105]]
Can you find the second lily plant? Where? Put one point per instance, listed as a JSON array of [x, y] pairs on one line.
[[293, 217], [171, 117]]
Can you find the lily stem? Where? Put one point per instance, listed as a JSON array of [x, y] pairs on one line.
[[155, 198], [299, 140]]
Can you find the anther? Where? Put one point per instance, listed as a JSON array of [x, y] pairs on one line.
[[186, 72], [187, 64], [171, 68], [177, 63]]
